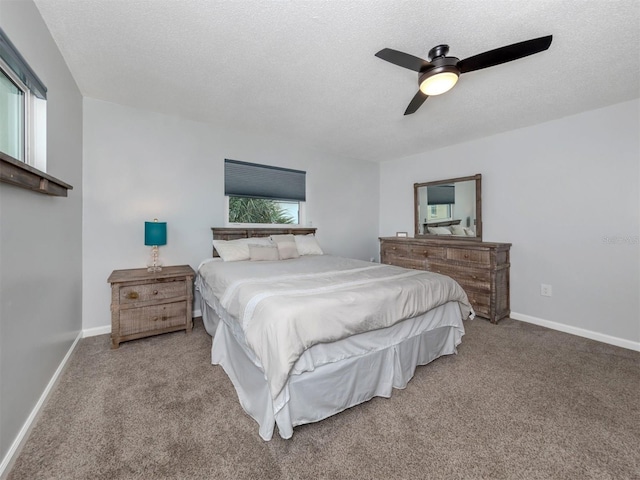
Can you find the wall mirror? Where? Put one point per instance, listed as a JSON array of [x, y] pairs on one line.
[[449, 209]]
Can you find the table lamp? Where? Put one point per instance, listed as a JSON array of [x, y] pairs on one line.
[[155, 234]]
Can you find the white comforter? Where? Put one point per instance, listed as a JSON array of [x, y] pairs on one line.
[[286, 307]]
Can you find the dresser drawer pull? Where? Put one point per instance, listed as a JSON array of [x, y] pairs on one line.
[[466, 255], [132, 295], [155, 292]]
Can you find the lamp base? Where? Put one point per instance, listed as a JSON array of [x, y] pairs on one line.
[[154, 265]]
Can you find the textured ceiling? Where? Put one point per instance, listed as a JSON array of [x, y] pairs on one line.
[[306, 70]]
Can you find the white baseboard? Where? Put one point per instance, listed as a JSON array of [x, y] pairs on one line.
[[581, 332], [92, 332], [8, 458]]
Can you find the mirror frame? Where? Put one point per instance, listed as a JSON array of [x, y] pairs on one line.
[[416, 216]]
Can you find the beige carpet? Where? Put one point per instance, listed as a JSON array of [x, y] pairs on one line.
[[517, 402]]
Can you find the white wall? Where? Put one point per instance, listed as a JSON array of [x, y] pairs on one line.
[[140, 165], [40, 238], [566, 195]]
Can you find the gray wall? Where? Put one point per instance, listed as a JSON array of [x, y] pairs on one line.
[[566, 195], [140, 165], [40, 238]]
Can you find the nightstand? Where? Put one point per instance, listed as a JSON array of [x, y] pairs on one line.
[[145, 303]]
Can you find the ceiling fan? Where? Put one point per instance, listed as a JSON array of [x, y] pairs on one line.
[[440, 73]]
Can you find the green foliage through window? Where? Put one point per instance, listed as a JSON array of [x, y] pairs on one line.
[[257, 210]]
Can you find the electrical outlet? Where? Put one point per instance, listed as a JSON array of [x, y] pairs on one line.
[[546, 290]]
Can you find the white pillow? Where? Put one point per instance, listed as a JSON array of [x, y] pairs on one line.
[[458, 230], [238, 250], [470, 232], [439, 231], [286, 246], [263, 252], [307, 245]]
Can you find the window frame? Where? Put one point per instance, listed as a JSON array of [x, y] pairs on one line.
[[302, 216], [30, 171], [441, 219], [264, 181], [19, 84]]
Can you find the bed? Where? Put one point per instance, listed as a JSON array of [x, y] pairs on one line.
[[307, 337]]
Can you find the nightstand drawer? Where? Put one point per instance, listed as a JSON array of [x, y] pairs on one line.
[[147, 303], [157, 317], [152, 291]]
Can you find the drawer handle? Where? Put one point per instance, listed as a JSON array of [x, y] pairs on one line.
[[132, 295], [155, 319], [466, 255], [155, 292]]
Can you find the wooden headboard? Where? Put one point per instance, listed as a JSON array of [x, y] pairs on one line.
[[234, 233]]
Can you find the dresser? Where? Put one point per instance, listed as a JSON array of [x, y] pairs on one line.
[[145, 303], [481, 268]]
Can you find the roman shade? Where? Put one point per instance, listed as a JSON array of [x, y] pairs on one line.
[[441, 195], [243, 179]]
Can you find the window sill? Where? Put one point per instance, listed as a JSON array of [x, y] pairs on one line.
[[25, 176]]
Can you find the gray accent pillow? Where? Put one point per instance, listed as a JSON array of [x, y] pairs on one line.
[[263, 252], [286, 246]]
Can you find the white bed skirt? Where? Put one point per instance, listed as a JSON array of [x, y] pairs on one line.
[[310, 396]]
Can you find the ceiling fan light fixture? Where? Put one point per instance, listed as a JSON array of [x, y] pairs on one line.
[[440, 73], [438, 83]]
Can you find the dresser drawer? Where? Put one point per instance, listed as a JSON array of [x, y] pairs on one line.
[[481, 303], [395, 250], [156, 317], [405, 262], [469, 255], [474, 278], [417, 251], [152, 291]]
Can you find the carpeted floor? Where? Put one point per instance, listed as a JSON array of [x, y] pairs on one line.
[[517, 402]]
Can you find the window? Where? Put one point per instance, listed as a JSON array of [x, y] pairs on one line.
[[12, 125], [439, 212], [23, 108], [440, 199], [263, 194]]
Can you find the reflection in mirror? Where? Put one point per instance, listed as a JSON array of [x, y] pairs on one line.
[[449, 209]]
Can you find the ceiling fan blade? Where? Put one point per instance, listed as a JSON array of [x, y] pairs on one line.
[[415, 103], [403, 59], [504, 54]]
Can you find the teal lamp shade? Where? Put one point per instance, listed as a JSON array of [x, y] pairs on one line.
[[155, 233]]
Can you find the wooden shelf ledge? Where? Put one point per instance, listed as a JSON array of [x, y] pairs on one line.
[[22, 175]]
